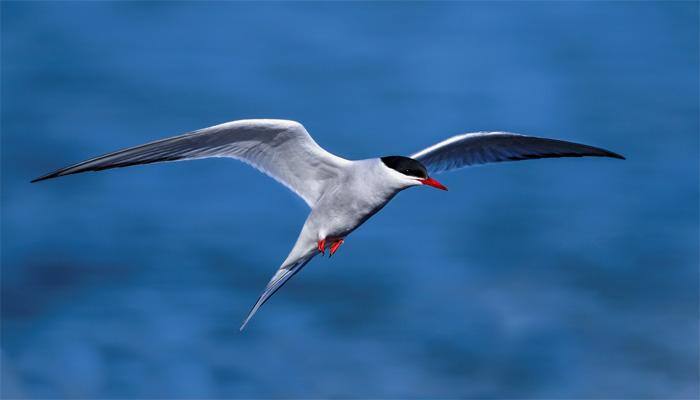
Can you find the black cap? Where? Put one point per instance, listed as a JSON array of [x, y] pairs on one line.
[[406, 166]]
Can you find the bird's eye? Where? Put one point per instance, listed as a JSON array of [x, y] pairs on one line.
[[411, 172]]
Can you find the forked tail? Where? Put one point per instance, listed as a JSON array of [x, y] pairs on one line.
[[280, 278]]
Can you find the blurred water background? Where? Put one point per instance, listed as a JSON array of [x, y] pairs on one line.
[[570, 278]]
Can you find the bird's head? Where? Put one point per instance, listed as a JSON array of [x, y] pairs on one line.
[[410, 172]]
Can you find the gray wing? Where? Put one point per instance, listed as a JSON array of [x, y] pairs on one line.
[[485, 147], [281, 149]]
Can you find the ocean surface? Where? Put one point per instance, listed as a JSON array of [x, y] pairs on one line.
[[548, 279]]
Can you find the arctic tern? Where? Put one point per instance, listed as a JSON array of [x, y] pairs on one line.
[[341, 193]]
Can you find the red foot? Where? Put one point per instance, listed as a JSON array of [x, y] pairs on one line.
[[322, 246], [335, 245]]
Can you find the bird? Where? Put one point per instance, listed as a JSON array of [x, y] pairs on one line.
[[342, 194]]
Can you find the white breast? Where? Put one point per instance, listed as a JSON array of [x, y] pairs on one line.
[[364, 187]]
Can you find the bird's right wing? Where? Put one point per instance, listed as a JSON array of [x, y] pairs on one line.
[[281, 149]]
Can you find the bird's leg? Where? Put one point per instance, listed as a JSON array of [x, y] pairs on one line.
[[335, 245], [322, 246]]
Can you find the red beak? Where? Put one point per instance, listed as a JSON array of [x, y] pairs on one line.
[[432, 182]]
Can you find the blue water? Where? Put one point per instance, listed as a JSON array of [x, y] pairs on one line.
[[569, 278]]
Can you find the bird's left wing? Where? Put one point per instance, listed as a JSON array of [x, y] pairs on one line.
[[486, 147], [281, 149]]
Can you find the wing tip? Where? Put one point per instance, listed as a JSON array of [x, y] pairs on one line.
[[57, 174], [611, 154], [45, 177]]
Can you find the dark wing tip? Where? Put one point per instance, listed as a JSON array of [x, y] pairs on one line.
[[55, 174], [615, 155], [45, 177], [608, 153], [591, 151]]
